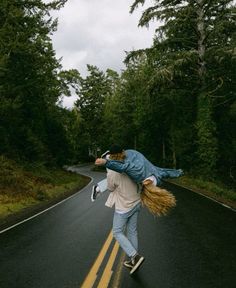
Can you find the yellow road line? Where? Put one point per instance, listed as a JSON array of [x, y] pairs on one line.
[[106, 276], [91, 277], [117, 277]]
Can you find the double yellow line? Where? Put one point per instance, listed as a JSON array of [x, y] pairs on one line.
[[107, 273]]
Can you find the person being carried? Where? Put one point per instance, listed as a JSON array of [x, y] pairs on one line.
[[144, 173], [127, 207]]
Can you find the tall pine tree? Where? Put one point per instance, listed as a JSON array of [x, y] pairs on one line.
[[191, 33], [29, 84]]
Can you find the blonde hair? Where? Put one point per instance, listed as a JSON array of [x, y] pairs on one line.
[[158, 201], [118, 156]]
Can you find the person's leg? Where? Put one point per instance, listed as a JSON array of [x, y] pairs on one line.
[[131, 227], [100, 187], [132, 234], [169, 173], [119, 225]]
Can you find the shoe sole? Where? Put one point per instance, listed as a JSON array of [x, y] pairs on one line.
[[138, 264]]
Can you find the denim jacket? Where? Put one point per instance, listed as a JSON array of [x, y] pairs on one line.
[[138, 168]]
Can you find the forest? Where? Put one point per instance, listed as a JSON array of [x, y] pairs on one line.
[[175, 101]]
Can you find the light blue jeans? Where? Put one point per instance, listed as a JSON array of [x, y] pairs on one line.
[[102, 185], [127, 221]]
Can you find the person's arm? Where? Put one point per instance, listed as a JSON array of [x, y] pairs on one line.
[[118, 166]]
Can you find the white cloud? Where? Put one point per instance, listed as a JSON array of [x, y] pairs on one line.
[[98, 32]]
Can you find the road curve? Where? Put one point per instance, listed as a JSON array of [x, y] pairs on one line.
[[71, 246]]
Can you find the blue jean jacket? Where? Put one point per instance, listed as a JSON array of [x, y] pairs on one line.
[[138, 168]]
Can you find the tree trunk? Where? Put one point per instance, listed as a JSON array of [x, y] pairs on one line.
[[201, 41], [207, 144]]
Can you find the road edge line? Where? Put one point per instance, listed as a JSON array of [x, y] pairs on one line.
[[208, 197], [45, 210]]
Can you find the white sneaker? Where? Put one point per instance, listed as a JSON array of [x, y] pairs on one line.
[[94, 193], [105, 154], [136, 261]]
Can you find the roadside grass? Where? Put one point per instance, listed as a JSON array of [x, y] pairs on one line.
[[24, 187], [9, 205], [215, 190]]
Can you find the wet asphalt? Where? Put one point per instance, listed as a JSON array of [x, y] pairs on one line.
[[194, 246]]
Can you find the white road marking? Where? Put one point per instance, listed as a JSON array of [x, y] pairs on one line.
[[51, 207], [222, 204]]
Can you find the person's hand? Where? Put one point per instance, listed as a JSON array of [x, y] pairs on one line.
[[100, 161], [147, 182]]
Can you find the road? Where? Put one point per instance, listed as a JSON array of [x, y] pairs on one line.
[[71, 246]]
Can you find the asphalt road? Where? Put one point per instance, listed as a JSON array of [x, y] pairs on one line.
[[71, 246]]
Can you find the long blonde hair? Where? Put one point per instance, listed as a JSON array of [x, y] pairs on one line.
[[157, 200]]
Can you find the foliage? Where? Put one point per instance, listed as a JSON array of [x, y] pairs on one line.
[[31, 84], [174, 101], [190, 57], [94, 90]]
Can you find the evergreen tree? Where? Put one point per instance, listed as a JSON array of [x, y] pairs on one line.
[[192, 34], [92, 95], [29, 84]]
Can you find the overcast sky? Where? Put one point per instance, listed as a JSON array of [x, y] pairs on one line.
[[98, 32]]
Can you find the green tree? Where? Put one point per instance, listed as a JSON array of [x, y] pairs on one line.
[[91, 100], [29, 84], [191, 33]]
